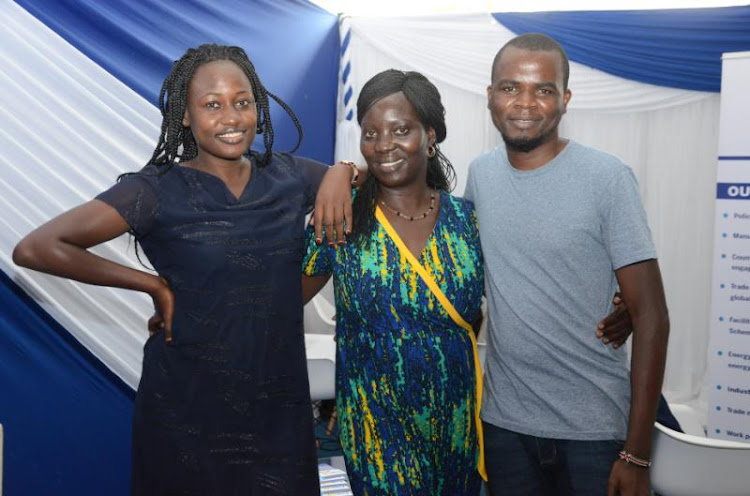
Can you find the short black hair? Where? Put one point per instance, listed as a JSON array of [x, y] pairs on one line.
[[427, 103], [536, 42]]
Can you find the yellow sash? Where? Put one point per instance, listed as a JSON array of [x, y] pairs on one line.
[[448, 306]]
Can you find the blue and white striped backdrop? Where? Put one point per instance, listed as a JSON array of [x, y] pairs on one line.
[[77, 94]]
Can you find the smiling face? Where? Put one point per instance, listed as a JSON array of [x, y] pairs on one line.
[[221, 111], [527, 99], [394, 142]]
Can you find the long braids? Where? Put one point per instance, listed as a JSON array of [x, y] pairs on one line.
[[176, 142], [425, 98]]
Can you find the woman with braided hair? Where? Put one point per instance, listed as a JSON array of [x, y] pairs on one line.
[[223, 404]]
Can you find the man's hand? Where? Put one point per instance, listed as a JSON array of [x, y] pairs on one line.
[[616, 327], [626, 479]]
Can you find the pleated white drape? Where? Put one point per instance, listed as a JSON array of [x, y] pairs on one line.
[[68, 130]]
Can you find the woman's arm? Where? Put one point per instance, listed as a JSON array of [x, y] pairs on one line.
[[311, 285], [333, 202], [60, 247]]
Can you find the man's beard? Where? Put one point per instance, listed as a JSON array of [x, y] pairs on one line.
[[525, 144]]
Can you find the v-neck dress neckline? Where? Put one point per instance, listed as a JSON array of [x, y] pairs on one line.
[[220, 191], [396, 237]]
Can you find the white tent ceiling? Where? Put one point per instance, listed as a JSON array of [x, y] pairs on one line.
[[423, 7]]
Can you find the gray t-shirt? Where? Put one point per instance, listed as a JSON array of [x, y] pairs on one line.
[[552, 238]]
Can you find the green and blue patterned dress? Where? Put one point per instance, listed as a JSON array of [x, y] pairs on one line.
[[405, 375]]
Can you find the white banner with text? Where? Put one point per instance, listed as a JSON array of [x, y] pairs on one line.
[[729, 351]]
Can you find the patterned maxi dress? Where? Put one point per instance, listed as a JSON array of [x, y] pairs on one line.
[[226, 409], [405, 384]]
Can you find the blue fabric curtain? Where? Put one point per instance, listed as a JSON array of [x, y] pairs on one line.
[[293, 45], [674, 48], [66, 417]]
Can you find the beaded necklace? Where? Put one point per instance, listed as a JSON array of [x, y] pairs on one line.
[[411, 217]]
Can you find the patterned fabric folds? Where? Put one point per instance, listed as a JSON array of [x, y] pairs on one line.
[[405, 376]]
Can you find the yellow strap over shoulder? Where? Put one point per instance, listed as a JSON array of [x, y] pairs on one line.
[[450, 309]]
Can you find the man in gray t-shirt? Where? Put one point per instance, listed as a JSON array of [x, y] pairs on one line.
[[561, 226]]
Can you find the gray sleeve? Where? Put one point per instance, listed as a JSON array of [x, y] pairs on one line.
[[625, 230], [469, 190]]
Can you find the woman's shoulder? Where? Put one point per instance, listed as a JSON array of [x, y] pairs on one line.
[[460, 213], [284, 164], [147, 182], [151, 173], [457, 203], [281, 159]]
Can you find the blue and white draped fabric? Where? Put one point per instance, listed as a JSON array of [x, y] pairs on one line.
[[644, 88], [78, 88], [347, 129], [345, 67], [672, 48], [79, 81]]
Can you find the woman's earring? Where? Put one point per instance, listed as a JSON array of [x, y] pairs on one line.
[[431, 151]]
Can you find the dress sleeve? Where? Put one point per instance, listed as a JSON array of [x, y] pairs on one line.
[[135, 199], [475, 228], [319, 259], [312, 173]]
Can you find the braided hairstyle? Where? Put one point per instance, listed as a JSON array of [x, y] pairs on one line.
[[425, 99], [176, 142]]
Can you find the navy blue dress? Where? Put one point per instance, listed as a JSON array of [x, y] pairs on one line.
[[226, 409]]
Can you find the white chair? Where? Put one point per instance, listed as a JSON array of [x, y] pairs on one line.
[[320, 312], [688, 418], [319, 344], [321, 366], [688, 465]]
